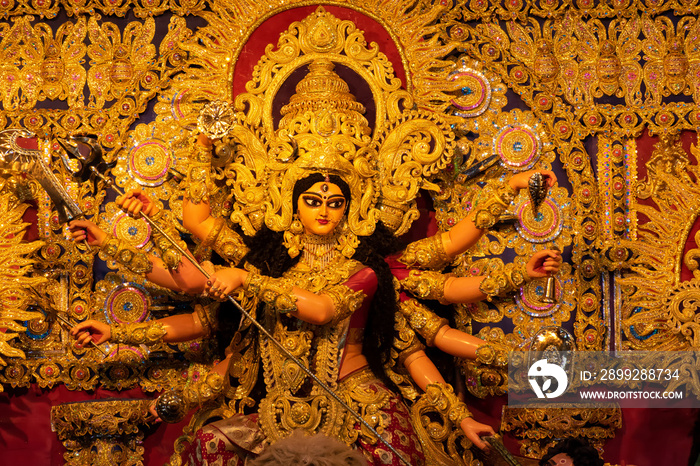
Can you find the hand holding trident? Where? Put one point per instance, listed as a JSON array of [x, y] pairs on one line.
[[537, 188]]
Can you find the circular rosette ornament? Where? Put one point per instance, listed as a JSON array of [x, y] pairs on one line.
[[215, 119], [474, 94], [531, 298], [127, 303], [518, 146], [542, 225], [135, 231], [149, 162], [519, 140]]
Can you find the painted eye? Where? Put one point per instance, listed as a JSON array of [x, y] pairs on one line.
[[336, 204], [312, 201]]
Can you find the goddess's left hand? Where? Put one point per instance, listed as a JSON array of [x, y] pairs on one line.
[[522, 179], [222, 282], [475, 430], [544, 263]]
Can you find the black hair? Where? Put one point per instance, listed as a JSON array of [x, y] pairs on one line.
[[578, 449]]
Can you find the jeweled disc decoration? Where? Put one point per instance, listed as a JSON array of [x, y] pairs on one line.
[[530, 298], [518, 146], [38, 329], [135, 231], [127, 303], [149, 162], [475, 93], [540, 227]]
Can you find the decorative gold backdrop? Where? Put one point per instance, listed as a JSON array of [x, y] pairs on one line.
[[549, 84]]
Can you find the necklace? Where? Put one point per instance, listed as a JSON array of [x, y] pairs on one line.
[[319, 251]]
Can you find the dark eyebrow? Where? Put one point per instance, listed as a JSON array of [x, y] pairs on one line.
[[310, 193]]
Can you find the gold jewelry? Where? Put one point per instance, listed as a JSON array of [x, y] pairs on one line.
[[198, 180], [442, 397], [293, 237], [139, 333], [277, 292], [214, 232], [319, 250], [345, 301], [205, 389], [347, 242], [207, 316], [124, 254], [168, 252], [503, 281], [225, 242], [427, 253], [426, 284], [422, 320], [489, 354], [487, 212]]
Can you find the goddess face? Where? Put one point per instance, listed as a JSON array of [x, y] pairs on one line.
[[321, 208]]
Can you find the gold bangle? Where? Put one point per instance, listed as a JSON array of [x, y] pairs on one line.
[[421, 319], [427, 253], [489, 354], [277, 292], [124, 254], [165, 245], [229, 244], [207, 316], [205, 389], [443, 398], [139, 333], [426, 284], [487, 212], [214, 233], [503, 281], [345, 301]]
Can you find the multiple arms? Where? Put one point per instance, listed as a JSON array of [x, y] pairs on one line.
[[314, 308]]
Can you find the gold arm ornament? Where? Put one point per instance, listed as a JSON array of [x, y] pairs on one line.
[[124, 254], [198, 180], [487, 212], [205, 389], [162, 240], [276, 292], [172, 406], [225, 242], [503, 281], [345, 301], [426, 284], [443, 398], [422, 320], [139, 333], [427, 253], [490, 354]]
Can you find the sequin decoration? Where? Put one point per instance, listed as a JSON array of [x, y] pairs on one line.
[[135, 231], [540, 227], [181, 109], [475, 93], [127, 303], [149, 162], [518, 146], [530, 298]]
